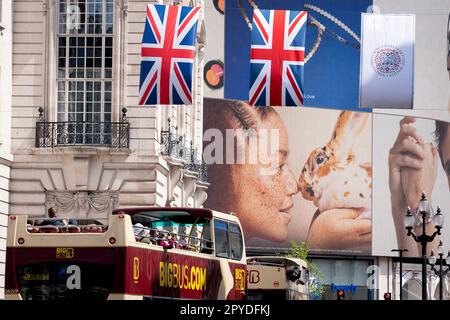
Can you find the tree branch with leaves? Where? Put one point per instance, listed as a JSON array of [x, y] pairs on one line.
[[300, 251]]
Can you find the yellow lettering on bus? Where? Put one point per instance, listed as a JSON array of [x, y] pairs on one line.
[[135, 269], [203, 279], [65, 253], [169, 275], [181, 277], [70, 253], [198, 275], [186, 277], [239, 279], [193, 278], [161, 274], [175, 275]]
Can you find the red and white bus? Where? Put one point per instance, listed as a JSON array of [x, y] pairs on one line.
[[277, 278], [173, 253]]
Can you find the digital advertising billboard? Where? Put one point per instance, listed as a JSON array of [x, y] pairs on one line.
[[291, 174], [352, 54], [412, 157]]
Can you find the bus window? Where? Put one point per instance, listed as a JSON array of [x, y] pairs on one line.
[[206, 246], [221, 239], [236, 242]]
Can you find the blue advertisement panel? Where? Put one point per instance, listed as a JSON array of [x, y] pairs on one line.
[[331, 75]]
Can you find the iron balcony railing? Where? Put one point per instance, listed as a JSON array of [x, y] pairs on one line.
[[82, 133], [200, 168], [173, 145], [70, 133]]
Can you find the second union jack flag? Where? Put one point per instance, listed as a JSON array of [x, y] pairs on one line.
[[167, 55], [277, 57]]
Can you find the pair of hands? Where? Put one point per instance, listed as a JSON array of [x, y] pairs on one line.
[[412, 170], [340, 229]]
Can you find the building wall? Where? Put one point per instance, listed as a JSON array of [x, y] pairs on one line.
[[5, 129], [4, 194], [138, 176]]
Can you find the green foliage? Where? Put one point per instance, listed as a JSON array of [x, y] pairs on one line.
[[300, 251]]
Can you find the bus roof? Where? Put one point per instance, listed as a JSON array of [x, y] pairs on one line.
[[170, 211], [161, 211], [277, 259], [198, 212]]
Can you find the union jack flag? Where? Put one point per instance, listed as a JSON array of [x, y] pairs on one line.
[[277, 58], [167, 55]]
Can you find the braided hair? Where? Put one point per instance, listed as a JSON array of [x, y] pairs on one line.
[[245, 116]]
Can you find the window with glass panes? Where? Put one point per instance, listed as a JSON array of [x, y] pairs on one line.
[[85, 51]]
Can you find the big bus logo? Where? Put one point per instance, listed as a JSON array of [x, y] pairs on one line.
[[253, 276], [135, 269], [239, 279], [65, 253], [175, 275]]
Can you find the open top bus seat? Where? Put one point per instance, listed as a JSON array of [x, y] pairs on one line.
[[92, 228], [70, 229], [48, 229], [32, 229]]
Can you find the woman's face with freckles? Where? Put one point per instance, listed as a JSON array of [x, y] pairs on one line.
[[263, 191]]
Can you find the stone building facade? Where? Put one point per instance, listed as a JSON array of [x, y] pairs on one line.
[[5, 127], [79, 139]]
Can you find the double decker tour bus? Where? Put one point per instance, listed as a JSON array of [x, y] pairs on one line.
[[141, 253], [277, 278]]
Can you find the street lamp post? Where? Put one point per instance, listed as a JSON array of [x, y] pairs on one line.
[[400, 252], [424, 216], [441, 273]]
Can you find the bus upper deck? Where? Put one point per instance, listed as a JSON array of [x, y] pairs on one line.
[[140, 253]]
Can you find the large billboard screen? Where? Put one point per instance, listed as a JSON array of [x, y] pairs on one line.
[[412, 157], [331, 77], [291, 174]]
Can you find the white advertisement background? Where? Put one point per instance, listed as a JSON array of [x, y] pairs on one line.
[[392, 90], [385, 131], [431, 78]]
